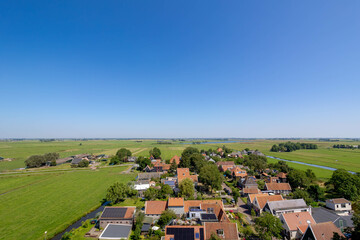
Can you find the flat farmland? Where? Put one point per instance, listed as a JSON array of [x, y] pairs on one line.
[[34, 203]]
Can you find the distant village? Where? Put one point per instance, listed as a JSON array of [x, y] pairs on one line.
[[214, 194]]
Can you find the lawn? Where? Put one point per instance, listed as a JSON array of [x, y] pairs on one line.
[[35, 203]]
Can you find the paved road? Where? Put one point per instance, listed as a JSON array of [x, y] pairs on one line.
[[244, 209]]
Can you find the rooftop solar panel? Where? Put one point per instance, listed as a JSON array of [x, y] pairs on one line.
[[181, 233], [114, 212], [208, 216], [202, 234]]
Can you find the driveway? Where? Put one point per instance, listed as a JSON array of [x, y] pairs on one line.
[[244, 209]]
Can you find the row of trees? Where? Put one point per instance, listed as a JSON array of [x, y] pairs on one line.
[[36, 161], [291, 146], [346, 146]]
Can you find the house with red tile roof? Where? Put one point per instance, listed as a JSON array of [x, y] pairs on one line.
[[260, 201], [225, 165], [176, 159], [295, 224], [246, 191], [155, 208], [183, 173], [282, 177], [251, 197], [223, 230], [321, 231], [238, 173], [278, 188], [176, 204]]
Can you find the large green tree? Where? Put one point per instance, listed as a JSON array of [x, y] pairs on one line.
[[155, 152], [118, 192], [211, 177], [35, 161], [165, 217], [151, 194], [268, 226], [298, 178], [185, 161], [165, 191], [123, 154], [143, 162], [345, 184], [186, 187]]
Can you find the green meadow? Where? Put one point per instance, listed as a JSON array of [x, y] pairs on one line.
[[49, 199], [34, 203], [325, 155]]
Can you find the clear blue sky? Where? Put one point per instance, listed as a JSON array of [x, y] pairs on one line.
[[179, 68]]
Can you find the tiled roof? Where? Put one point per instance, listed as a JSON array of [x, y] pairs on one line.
[[278, 186], [298, 220], [253, 196], [281, 175], [251, 191], [183, 173], [325, 231], [262, 200], [238, 172], [225, 163], [175, 202], [176, 158], [338, 200], [229, 230], [198, 203], [155, 207]]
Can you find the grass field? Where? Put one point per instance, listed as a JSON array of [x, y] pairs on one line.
[[34, 203], [325, 155]]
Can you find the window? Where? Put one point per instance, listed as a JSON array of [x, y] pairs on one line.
[[210, 210], [220, 232], [197, 235], [193, 215], [341, 223]]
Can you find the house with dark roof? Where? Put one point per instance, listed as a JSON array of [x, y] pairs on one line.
[[295, 224], [76, 161], [321, 231], [248, 182], [340, 205], [116, 232], [149, 176], [278, 188], [184, 233], [322, 215], [117, 215], [276, 208]]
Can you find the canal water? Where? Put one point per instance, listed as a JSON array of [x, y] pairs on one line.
[[77, 224], [307, 164]]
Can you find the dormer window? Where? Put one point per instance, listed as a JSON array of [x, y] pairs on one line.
[[220, 232]]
